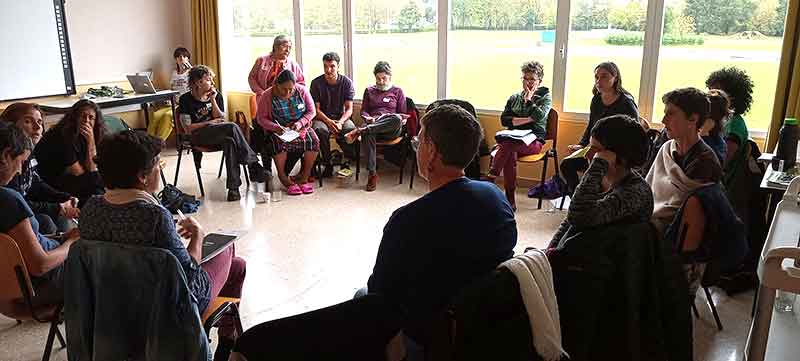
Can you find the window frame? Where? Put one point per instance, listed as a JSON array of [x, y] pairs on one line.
[[654, 25]]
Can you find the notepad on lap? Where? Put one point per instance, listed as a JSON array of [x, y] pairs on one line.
[[525, 135], [215, 243], [289, 135]]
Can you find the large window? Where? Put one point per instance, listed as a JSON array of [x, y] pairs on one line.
[[322, 33], [603, 30], [488, 42], [247, 29], [402, 33], [746, 35]]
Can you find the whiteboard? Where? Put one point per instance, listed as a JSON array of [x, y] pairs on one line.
[[35, 60]]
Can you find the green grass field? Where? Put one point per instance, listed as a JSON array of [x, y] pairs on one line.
[[484, 65]]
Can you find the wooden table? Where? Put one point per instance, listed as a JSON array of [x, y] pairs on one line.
[[61, 106]]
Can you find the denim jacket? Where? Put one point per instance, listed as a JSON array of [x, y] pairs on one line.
[[127, 302]]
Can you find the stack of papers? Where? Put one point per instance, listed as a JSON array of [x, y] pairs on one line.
[[525, 135]]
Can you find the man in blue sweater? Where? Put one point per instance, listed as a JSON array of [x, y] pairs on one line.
[[458, 232]]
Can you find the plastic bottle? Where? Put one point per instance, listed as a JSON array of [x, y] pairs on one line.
[[787, 143]]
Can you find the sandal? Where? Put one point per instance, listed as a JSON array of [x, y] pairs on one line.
[[294, 190], [307, 188]]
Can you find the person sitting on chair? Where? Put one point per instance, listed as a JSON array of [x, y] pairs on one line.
[[610, 191], [711, 131], [288, 106], [66, 152], [610, 98], [458, 232], [43, 256], [205, 108], [53, 209], [129, 213], [333, 98], [527, 109], [383, 108], [685, 162], [161, 125]]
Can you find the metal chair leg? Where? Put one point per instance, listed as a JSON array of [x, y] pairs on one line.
[[60, 338], [694, 310], [357, 145], [221, 164], [178, 166], [713, 308], [199, 178], [543, 178], [413, 171], [48, 346]]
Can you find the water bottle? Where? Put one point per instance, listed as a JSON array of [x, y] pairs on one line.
[[787, 143]]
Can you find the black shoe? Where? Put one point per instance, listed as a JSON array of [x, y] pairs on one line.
[[328, 171], [224, 348], [257, 173], [233, 195]]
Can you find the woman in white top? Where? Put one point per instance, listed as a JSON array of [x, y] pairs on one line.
[[161, 125]]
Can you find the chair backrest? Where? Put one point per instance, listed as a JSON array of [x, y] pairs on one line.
[[552, 126], [126, 301], [10, 261]]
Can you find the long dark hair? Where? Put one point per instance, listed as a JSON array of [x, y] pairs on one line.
[[69, 124], [612, 68]]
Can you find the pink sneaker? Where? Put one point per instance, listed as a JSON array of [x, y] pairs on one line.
[[294, 190], [307, 188]]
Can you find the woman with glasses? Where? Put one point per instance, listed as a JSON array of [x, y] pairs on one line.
[[128, 213], [527, 109]]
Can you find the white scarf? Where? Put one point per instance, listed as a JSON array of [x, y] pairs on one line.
[[535, 278], [123, 196], [671, 186]]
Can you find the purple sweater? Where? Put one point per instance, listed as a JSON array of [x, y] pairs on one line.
[[377, 102]]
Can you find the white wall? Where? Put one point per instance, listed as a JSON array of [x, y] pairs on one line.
[[112, 38]]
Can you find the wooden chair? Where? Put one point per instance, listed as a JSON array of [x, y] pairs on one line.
[[691, 236], [183, 141], [218, 309], [16, 294], [550, 139]]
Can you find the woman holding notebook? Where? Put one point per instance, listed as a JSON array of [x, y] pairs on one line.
[[128, 213], [527, 110], [286, 111]]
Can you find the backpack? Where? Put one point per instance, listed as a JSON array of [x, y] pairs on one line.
[[553, 188], [174, 199]]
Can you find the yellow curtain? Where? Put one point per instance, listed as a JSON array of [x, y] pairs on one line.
[[205, 36], [787, 93]]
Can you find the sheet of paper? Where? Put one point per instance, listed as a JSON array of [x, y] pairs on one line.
[[289, 135], [580, 153]]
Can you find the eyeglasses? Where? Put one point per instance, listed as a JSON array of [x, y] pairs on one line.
[[415, 143], [532, 80]]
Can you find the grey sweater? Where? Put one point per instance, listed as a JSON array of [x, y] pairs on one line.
[[631, 199]]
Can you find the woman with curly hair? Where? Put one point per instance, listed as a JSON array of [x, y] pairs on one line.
[[739, 87], [66, 151]]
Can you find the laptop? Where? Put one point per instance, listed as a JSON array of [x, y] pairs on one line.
[[215, 243], [141, 84]]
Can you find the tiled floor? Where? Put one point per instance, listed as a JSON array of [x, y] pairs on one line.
[[312, 251]]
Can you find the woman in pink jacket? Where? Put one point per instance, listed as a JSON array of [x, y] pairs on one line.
[[267, 67], [287, 106]]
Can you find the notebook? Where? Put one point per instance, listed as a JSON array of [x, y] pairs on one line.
[[215, 243]]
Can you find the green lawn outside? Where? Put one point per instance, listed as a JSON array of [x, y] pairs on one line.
[[484, 65]]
